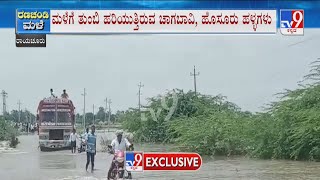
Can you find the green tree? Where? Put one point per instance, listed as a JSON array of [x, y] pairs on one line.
[[8, 132], [101, 114], [288, 129], [25, 116], [89, 118]]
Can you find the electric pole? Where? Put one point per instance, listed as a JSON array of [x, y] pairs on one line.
[[19, 113], [4, 101], [105, 111], [194, 74], [84, 107], [93, 114], [139, 94], [109, 118], [27, 119]]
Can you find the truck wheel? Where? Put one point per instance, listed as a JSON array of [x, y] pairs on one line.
[[41, 149]]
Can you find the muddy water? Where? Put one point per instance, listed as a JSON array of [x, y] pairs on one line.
[[28, 163]]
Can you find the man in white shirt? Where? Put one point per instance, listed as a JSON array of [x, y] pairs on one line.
[[86, 133], [119, 144], [31, 128], [73, 139]]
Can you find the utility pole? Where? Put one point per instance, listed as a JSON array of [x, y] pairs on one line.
[[109, 118], [93, 114], [194, 74], [139, 94], [19, 113], [105, 110], [84, 107], [27, 119], [4, 102]]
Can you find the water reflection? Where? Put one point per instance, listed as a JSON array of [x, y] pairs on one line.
[[57, 161]]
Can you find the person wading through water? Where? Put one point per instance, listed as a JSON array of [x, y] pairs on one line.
[[73, 140], [91, 148]]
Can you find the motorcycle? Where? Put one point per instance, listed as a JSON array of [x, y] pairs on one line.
[[82, 146], [119, 172]]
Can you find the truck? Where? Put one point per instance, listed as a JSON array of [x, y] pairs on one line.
[[56, 120]]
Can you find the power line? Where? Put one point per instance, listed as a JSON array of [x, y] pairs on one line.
[[194, 74], [139, 94]]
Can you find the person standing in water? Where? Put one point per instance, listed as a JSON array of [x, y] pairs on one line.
[[73, 139], [91, 148]]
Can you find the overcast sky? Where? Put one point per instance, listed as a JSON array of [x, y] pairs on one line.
[[248, 69]]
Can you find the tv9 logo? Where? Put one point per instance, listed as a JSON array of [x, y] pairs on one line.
[[292, 22], [134, 161]]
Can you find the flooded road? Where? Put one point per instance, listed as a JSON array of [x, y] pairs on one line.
[[28, 163]]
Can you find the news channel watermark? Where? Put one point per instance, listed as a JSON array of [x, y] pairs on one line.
[[165, 101], [163, 113]]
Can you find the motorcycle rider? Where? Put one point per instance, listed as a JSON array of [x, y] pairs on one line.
[[119, 144], [83, 143]]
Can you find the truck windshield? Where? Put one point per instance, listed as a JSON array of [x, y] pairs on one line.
[[64, 117], [48, 117]]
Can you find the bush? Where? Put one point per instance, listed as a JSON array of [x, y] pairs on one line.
[[210, 125], [104, 142], [8, 133]]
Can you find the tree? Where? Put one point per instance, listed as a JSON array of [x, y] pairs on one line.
[[89, 118], [25, 116], [79, 118], [101, 114]]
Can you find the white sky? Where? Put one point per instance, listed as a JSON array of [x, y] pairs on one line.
[[248, 69]]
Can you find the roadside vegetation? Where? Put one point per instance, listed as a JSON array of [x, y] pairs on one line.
[[211, 125], [8, 132], [11, 125]]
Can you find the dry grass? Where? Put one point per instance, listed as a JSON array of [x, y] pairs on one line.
[[104, 142]]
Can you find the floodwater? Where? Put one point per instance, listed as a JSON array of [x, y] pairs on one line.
[[28, 163]]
